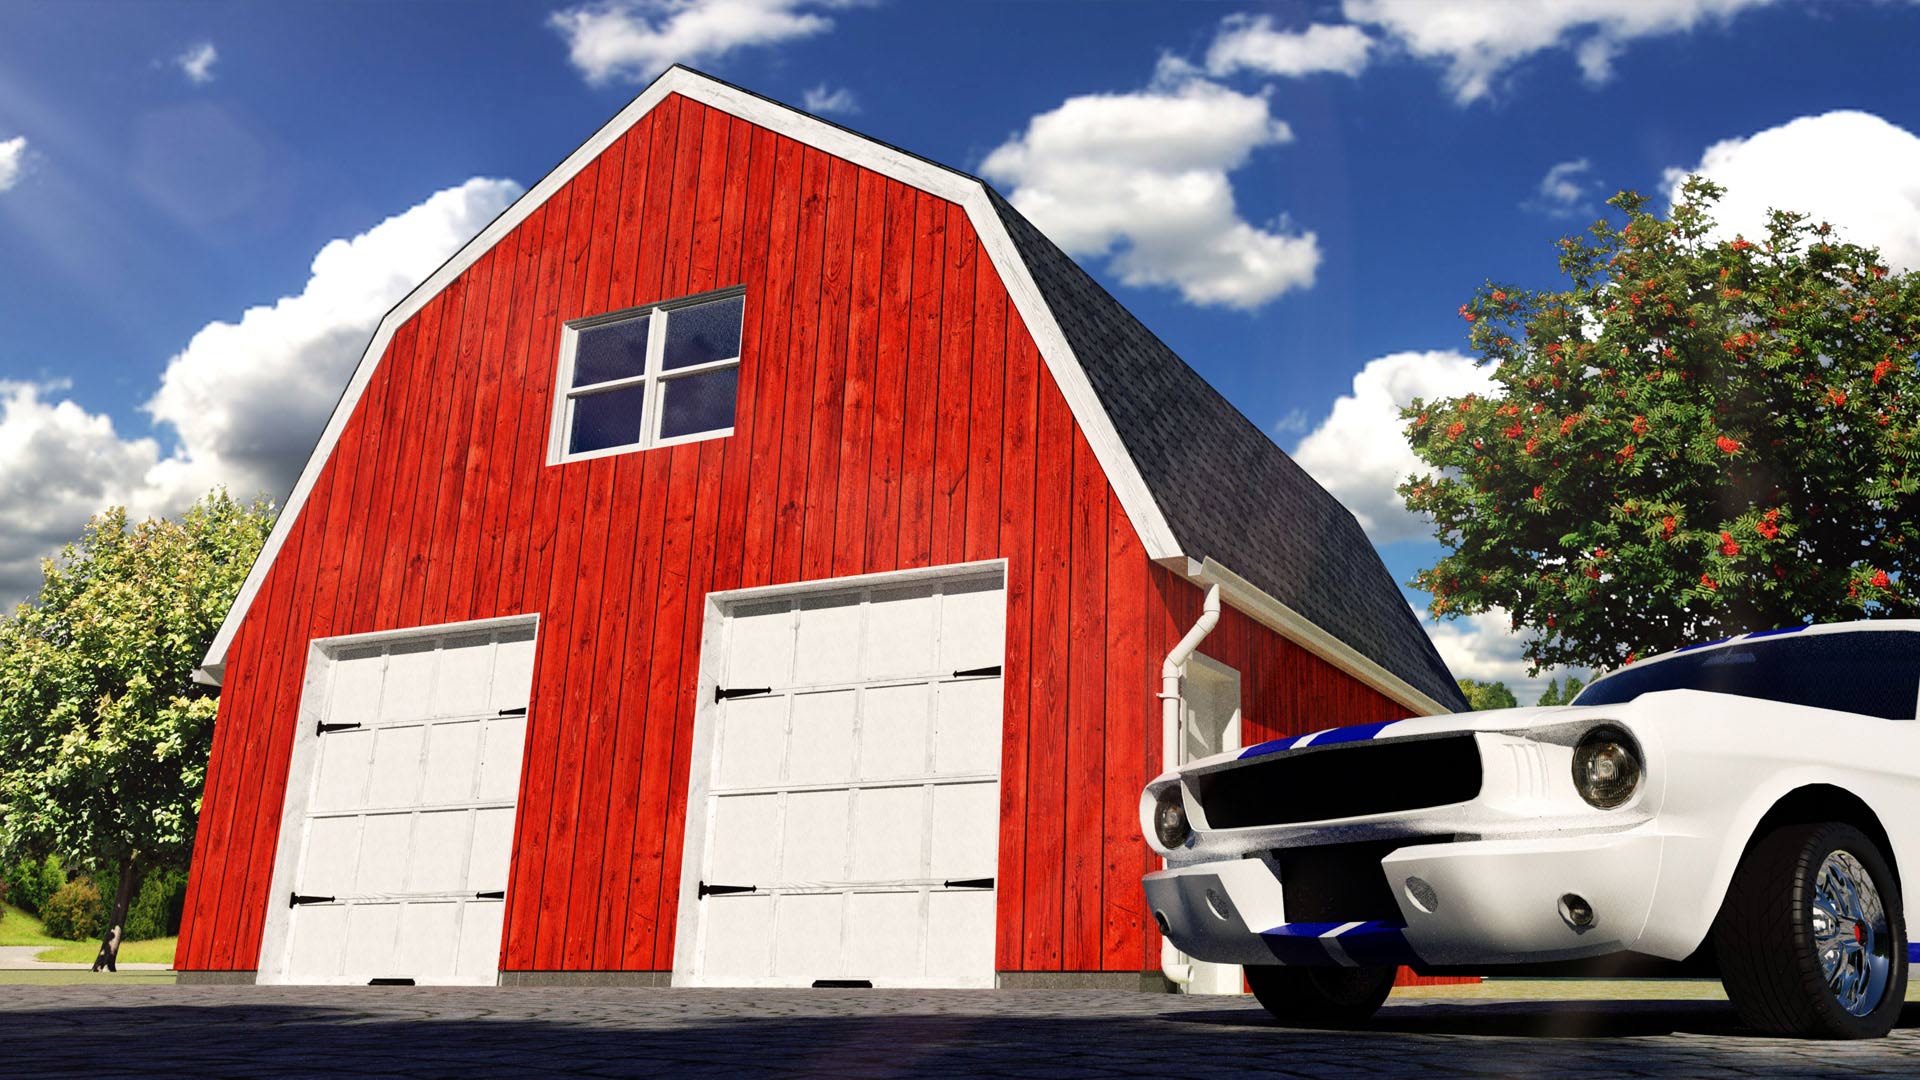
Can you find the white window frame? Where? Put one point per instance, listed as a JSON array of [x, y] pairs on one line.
[[654, 378]]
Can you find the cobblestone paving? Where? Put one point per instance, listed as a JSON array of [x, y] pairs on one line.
[[524, 1032]]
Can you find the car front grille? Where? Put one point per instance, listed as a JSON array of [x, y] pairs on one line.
[[1342, 781]]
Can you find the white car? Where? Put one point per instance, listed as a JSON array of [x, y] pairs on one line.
[[1739, 808]]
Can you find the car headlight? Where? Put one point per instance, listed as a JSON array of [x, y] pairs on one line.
[[1607, 767], [1170, 819]]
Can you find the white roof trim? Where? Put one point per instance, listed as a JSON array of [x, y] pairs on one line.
[[1142, 511], [1250, 600]]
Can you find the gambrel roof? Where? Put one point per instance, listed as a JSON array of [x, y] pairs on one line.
[[1208, 493]]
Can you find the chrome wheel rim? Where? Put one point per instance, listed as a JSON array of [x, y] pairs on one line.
[[1851, 933]]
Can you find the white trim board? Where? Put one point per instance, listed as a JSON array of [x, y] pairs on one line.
[[1135, 497]]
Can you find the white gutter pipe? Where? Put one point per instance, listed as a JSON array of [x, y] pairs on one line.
[[1173, 965]]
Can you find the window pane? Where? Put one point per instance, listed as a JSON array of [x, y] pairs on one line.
[[613, 351], [703, 334], [697, 403], [609, 418]]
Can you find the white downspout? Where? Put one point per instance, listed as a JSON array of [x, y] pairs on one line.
[[1172, 964]]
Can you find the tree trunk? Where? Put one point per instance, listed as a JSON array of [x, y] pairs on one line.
[[122, 899]]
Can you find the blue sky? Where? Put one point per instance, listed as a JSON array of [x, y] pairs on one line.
[[1297, 196]]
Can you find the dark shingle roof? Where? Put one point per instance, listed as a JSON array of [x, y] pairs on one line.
[[1227, 492]]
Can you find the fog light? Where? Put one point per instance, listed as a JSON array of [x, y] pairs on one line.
[[1575, 909], [1170, 819], [1421, 895], [1160, 920]]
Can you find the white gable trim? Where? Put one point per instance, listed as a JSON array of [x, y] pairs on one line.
[[1142, 511]]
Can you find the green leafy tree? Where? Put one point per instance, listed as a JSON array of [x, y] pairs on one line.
[[1695, 437], [1487, 695], [103, 734], [1554, 695]]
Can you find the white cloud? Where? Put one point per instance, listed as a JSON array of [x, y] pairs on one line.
[[1250, 43], [1479, 41], [822, 99], [197, 63], [1485, 648], [1142, 178], [1359, 453], [1563, 192], [249, 398], [1850, 168], [59, 465], [634, 40], [1295, 422], [13, 160], [245, 399]]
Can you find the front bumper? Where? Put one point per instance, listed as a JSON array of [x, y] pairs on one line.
[[1484, 902]]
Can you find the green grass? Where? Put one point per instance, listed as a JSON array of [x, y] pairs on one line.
[[157, 951], [20, 928], [83, 977]]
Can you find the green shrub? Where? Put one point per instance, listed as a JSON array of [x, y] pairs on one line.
[[73, 911], [155, 909], [32, 881]]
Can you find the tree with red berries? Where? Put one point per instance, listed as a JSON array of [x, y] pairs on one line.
[[1697, 437]]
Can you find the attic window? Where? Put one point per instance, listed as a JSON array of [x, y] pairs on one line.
[[648, 376]]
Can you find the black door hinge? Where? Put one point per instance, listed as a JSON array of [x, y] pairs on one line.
[[970, 883], [497, 894], [296, 900], [977, 671], [324, 728], [707, 890], [521, 711], [722, 694]]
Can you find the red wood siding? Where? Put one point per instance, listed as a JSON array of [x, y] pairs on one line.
[[894, 412]]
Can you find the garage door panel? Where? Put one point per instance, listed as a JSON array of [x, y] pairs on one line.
[[739, 934], [753, 741], [373, 931], [967, 727], [885, 942], [960, 930], [340, 780], [407, 691], [824, 642], [760, 645], [354, 696], [893, 731], [453, 759], [899, 636], [319, 938], [820, 743], [512, 683], [440, 845], [806, 939], [397, 757], [384, 846], [814, 837], [889, 825], [429, 939], [745, 839], [463, 675], [479, 949], [503, 748], [973, 625], [332, 853], [965, 842], [492, 850]]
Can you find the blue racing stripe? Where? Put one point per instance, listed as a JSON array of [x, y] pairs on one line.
[[1913, 954], [1378, 944], [1702, 645], [1356, 733], [1299, 943], [1776, 632], [1271, 746]]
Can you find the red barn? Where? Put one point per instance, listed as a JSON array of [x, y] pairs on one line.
[[749, 562]]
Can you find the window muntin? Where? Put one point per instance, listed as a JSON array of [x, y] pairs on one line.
[[650, 376], [1871, 672]]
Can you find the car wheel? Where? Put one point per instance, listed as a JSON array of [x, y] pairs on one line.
[[1810, 937], [1321, 996]]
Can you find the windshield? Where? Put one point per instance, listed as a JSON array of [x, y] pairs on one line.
[[1876, 673]]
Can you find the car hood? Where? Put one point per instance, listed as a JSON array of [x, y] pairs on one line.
[[1522, 719]]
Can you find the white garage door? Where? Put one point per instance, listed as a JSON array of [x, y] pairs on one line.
[[408, 832], [852, 808]]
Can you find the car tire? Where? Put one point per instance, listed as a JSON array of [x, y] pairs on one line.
[[1810, 938], [1321, 996]]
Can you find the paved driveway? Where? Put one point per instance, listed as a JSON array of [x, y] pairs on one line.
[[70, 1031]]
